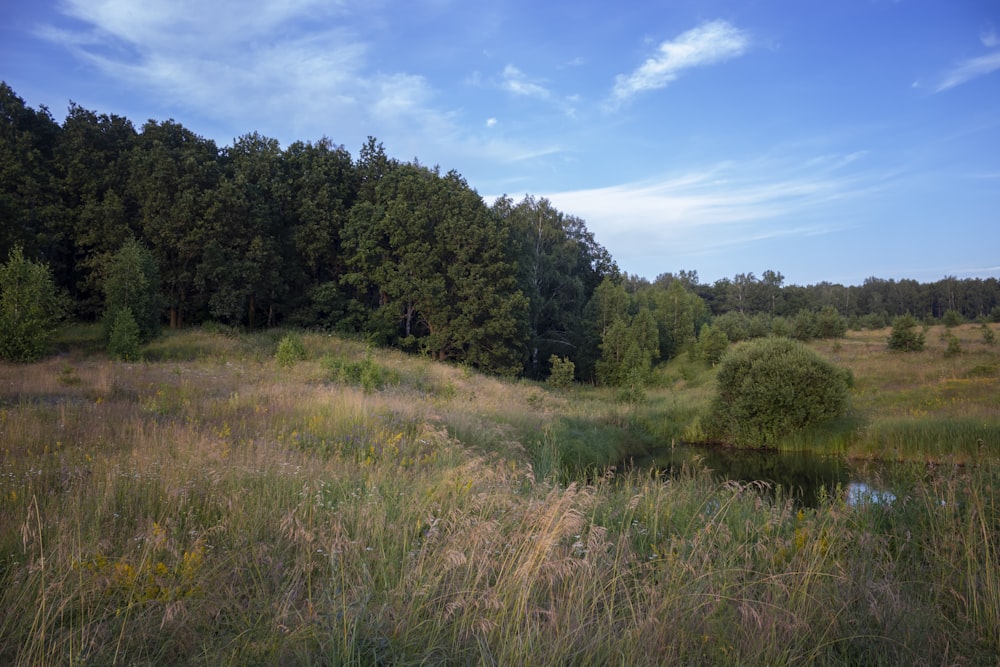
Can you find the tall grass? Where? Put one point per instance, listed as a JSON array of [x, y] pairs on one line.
[[215, 508]]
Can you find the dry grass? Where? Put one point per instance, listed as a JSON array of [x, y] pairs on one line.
[[217, 509]]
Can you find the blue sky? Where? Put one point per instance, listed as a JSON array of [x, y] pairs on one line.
[[825, 140]]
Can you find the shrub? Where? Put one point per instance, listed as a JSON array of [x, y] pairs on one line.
[[804, 325], [290, 350], [30, 307], [951, 318], [772, 387], [829, 323], [563, 371], [954, 347], [367, 374], [989, 337], [781, 327], [124, 337], [905, 337], [734, 324]]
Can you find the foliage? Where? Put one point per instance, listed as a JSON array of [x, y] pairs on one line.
[[989, 337], [133, 283], [562, 374], [628, 349], [712, 344], [291, 350], [124, 337], [905, 337], [30, 307], [253, 235], [829, 323], [366, 373], [436, 263], [951, 318], [773, 387], [954, 346]]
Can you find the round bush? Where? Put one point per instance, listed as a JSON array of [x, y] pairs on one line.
[[772, 387]]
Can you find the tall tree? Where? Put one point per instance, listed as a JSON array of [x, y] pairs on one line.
[[30, 307], [559, 265], [92, 158], [438, 264], [133, 283], [31, 212], [172, 170]]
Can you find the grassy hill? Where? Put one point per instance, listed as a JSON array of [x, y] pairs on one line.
[[211, 506]]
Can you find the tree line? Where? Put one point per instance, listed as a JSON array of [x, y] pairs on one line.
[[253, 235]]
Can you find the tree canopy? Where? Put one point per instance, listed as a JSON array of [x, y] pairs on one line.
[[254, 235]]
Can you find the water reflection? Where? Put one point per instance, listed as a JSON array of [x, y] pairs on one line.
[[803, 476]]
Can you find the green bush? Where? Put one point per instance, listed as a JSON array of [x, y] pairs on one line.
[[290, 350], [905, 337], [367, 374], [829, 323], [562, 374], [952, 318], [989, 337], [772, 387], [30, 307], [954, 346], [124, 337]]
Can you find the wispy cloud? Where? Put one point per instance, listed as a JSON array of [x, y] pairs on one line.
[[707, 44], [970, 69], [515, 81], [989, 38], [237, 62], [724, 204]]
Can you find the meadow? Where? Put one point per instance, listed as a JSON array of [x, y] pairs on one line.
[[208, 505]]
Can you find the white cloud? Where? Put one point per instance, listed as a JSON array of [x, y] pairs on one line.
[[515, 81], [989, 38], [300, 68], [491, 122], [721, 205], [970, 69], [707, 44]]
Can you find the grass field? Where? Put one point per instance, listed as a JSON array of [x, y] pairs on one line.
[[208, 506]]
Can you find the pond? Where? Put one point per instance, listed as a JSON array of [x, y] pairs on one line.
[[802, 475]]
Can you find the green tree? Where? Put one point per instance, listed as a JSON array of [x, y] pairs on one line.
[[905, 337], [829, 323], [245, 234], [989, 337], [92, 158], [951, 318], [628, 349], [437, 268], [559, 266], [172, 170], [133, 283], [32, 215], [678, 313], [124, 336], [773, 387], [30, 307], [563, 372], [712, 344]]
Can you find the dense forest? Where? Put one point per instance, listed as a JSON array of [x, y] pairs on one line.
[[253, 235]]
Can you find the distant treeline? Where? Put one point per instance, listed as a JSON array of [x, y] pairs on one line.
[[251, 235]]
